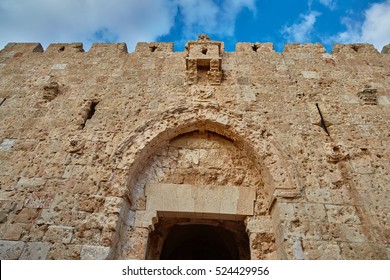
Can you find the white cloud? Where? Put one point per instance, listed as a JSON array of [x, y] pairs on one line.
[[351, 34], [301, 31], [375, 28], [49, 21], [199, 15], [331, 4], [131, 21], [207, 17]]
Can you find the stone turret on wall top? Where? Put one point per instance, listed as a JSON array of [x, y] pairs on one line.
[[204, 56]]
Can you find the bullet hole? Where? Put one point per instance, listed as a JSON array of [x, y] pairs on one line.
[[153, 48], [255, 47], [61, 49]]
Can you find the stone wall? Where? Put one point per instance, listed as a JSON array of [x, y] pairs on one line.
[[82, 133]]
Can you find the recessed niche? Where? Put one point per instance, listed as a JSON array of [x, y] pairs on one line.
[[90, 112]]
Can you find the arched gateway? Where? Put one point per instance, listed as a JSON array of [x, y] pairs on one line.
[[201, 186]]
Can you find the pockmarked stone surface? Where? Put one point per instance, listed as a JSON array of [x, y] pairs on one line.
[[110, 154]]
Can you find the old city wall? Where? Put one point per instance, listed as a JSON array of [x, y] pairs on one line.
[[88, 138]]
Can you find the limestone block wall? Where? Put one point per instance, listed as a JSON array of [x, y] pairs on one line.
[[80, 132]]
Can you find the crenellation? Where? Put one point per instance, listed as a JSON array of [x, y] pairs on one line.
[[354, 49], [254, 48], [12, 49], [68, 48], [296, 48], [107, 49], [386, 49], [17, 49], [154, 47]]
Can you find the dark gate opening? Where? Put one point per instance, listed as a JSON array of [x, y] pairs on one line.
[[209, 240]]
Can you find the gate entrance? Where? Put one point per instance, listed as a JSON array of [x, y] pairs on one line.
[[186, 239], [192, 195], [199, 242]]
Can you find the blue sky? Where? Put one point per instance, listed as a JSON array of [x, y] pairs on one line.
[[231, 21]]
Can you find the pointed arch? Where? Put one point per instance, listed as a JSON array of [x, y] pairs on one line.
[[135, 152], [258, 143]]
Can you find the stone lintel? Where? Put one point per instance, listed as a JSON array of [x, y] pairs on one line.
[[206, 202]]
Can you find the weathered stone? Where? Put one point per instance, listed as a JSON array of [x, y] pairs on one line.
[[259, 224], [7, 206], [318, 195], [342, 214], [14, 231], [27, 215], [102, 220], [31, 182], [92, 204], [362, 251], [113, 205], [310, 74], [58, 67], [136, 248], [35, 251], [320, 250], [7, 144], [353, 233], [35, 233], [94, 252], [51, 91], [99, 148], [39, 199], [58, 234], [10, 250], [64, 252], [3, 216], [85, 235], [386, 49], [262, 246]]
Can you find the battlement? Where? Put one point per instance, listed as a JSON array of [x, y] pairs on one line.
[[355, 49], [99, 49], [65, 48], [154, 47], [254, 47], [304, 48]]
